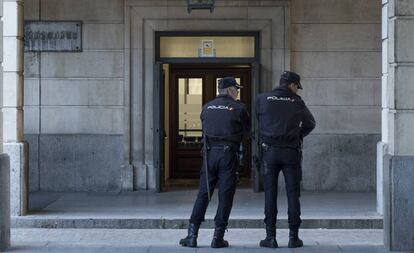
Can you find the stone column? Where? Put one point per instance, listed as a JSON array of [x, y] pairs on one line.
[[4, 164], [397, 124], [13, 128]]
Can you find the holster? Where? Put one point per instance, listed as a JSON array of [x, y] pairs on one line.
[[257, 159], [241, 159]]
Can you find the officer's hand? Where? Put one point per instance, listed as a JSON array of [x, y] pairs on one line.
[[237, 177]]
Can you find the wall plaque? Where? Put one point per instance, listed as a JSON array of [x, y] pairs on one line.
[[51, 36], [207, 48]]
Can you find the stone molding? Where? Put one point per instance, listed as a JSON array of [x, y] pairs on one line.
[[143, 18]]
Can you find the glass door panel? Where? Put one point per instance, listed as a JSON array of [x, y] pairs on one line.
[[190, 102]]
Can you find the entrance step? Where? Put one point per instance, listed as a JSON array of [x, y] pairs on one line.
[[171, 210], [112, 223]]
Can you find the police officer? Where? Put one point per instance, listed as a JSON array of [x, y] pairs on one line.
[[283, 120], [224, 122]]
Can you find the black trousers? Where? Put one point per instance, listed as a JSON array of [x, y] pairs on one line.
[[222, 165], [287, 160]]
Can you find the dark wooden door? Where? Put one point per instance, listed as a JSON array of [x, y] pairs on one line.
[[192, 87]]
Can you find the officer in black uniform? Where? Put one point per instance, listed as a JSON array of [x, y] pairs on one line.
[[224, 121], [283, 121]]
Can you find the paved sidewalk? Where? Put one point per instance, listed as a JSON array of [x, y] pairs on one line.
[[166, 240]]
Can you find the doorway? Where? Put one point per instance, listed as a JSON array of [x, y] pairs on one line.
[[186, 72], [191, 86]]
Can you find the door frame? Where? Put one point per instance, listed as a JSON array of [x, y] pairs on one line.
[[255, 79]]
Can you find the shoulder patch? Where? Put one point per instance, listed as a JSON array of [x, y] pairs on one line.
[[275, 98], [220, 107]]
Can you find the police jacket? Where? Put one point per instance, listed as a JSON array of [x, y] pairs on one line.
[[225, 119], [283, 118]]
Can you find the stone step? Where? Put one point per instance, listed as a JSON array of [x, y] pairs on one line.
[[171, 210], [136, 223]]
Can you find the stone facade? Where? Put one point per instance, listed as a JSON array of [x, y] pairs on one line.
[[99, 101]]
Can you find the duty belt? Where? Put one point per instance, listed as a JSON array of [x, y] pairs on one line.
[[226, 145], [265, 146], [280, 142], [223, 147]]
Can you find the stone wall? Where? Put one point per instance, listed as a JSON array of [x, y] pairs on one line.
[[335, 45], [75, 133]]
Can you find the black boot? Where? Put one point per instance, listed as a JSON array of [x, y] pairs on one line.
[[294, 241], [191, 239], [270, 240], [218, 240]]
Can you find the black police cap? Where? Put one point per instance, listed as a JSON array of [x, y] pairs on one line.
[[227, 82], [291, 77]]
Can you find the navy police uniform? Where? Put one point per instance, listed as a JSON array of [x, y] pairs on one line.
[[284, 120], [224, 121]]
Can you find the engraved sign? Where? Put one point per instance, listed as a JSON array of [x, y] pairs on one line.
[[44, 36]]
